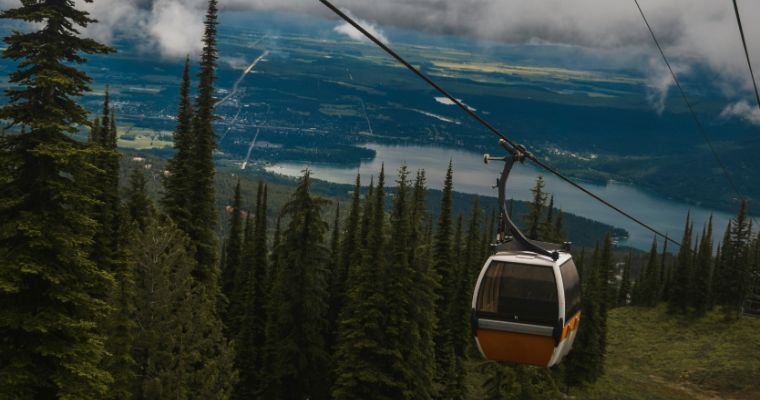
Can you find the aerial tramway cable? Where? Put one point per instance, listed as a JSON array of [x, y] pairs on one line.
[[514, 146], [700, 127], [746, 53]]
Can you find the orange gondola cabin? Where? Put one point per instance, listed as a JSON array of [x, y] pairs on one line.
[[526, 307]]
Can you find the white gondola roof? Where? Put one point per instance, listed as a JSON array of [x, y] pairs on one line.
[[529, 257]]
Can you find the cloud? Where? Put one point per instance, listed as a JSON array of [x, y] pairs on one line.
[[692, 32], [347, 29], [659, 81], [742, 109]]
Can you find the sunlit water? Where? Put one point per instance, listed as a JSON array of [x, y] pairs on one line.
[[471, 175]]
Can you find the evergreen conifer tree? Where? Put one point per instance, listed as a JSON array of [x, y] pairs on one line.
[[138, 205], [535, 210], [443, 261], [736, 270], [179, 348], [680, 289], [233, 257], [424, 283], [178, 182], [703, 274], [295, 358], [107, 212], [50, 292], [582, 364], [547, 227], [367, 360], [252, 296], [202, 199], [336, 281], [650, 282]]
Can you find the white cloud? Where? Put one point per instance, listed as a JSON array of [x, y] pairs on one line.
[[660, 81], [347, 29], [691, 31], [744, 110]]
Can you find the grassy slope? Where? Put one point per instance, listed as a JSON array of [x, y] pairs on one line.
[[652, 355]]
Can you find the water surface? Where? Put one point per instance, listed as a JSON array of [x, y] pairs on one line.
[[471, 175]]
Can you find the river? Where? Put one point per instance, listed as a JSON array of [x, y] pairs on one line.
[[471, 175]]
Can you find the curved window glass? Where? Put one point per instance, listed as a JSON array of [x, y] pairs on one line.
[[519, 293], [572, 286]]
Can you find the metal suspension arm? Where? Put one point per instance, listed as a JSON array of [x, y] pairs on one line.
[[505, 222]]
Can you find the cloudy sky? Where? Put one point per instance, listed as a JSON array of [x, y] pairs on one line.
[[692, 31]]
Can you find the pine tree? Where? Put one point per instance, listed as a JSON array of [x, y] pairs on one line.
[[138, 205], [366, 358], [664, 272], [202, 197], [458, 319], [582, 364], [50, 292], [108, 210], [649, 279], [349, 257], [336, 282], [736, 268], [703, 273], [179, 349], [233, 257], [442, 259], [546, 230], [535, 210], [624, 292], [251, 297], [606, 290], [680, 287], [295, 357], [424, 283], [178, 183]]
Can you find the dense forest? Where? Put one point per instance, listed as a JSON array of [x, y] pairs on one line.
[[108, 294]]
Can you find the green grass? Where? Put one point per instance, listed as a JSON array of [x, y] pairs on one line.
[[653, 355]]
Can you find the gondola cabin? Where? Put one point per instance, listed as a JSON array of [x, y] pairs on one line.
[[526, 307]]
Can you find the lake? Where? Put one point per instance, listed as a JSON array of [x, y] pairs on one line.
[[471, 175]]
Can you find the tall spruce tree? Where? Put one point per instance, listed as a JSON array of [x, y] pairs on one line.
[[179, 348], [606, 290], [139, 207], [546, 230], [367, 357], [107, 211], [250, 296], [703, 274], [649, 285], [424, 282], [680, 286], [736, 270], [178, 182], [254, 295], [349, 258], [535, 210], [50, 292], [202, 197], [233, 257], [443, 262], [336, 282], [582, 364], [296, 360]]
